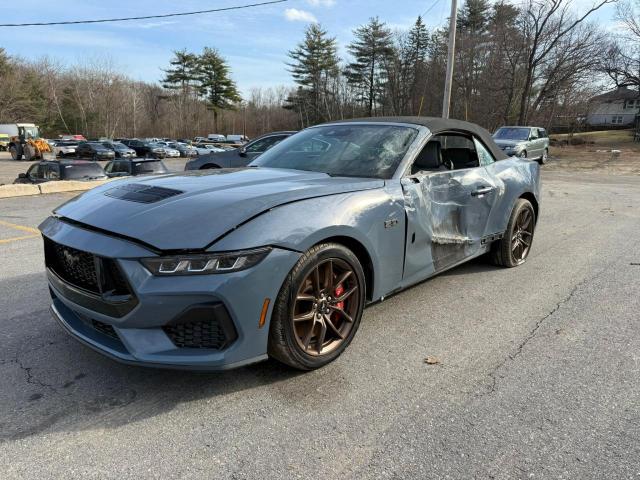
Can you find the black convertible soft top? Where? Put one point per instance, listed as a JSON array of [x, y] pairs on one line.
[[438, 125]]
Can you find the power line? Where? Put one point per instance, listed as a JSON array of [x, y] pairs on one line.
[[430, 8], [106, 20]]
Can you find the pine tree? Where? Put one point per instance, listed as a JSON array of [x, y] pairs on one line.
[[474, 17], [314, 64], [418, 50], [372, 48], [215, 84], [182, 73]]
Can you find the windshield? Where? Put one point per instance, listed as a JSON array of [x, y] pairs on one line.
[[29, 132], [511, 133], [149, 167], [82, 171], [348, 150]]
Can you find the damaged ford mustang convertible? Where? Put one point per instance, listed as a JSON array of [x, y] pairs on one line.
[[220, 268]]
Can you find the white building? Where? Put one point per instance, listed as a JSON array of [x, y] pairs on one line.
[[617, 108]]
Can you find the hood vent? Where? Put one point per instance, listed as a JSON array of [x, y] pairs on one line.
[[136, 192]]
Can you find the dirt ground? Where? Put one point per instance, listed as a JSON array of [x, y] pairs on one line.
[[611, 152]]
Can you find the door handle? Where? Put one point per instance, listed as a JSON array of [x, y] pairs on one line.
[[481, 191]]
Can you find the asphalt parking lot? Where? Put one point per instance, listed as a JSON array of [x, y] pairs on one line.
[[538, 373]]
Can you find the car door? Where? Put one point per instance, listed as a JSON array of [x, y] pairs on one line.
[[534, 144], [447, 211]]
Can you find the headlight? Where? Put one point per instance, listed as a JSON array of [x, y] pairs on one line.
[[204, 264]]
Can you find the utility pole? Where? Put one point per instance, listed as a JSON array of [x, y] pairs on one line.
[[450, 58]]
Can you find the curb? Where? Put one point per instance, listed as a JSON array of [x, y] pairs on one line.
[[20, 190]]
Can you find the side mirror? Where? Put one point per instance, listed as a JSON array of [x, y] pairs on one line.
[[242, 152], [22, 175]]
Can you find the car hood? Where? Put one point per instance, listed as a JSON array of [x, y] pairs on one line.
[[191, 210], [509, 143]]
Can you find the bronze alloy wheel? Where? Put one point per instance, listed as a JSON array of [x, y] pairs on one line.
[[522, 235], [325, 307]]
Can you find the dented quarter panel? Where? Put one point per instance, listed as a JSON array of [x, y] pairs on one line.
[[514, 177]]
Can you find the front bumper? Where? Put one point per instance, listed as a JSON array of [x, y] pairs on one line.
[[142, 331]]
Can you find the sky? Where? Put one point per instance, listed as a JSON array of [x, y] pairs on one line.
[[254, 41]]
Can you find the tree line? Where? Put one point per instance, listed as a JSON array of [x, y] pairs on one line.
[[532, 62]]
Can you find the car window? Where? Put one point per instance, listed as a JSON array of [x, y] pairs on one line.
[[512, 133], [458, 151], [149, 167], [82, 171], [264, 144], [484, 157], [542, 133], [35, 171], [108, 167], [53, 172], [534, 134]]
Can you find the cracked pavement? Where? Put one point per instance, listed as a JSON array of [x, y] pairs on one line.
[[538, 375]]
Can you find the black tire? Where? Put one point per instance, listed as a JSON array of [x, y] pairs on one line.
[[523, 154], [15, 154], [502, 251], [283, 344], [544, 159]]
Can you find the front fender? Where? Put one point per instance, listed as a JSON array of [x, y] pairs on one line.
[[373, 218]]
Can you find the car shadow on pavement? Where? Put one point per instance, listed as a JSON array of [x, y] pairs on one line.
[[51, 382]]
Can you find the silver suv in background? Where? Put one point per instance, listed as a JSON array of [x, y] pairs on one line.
[[525, 142]]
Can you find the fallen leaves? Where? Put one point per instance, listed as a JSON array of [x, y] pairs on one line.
[[431, 360]]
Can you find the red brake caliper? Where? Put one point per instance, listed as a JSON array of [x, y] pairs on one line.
[[339, 291]]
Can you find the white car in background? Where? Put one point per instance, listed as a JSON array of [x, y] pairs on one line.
[[64, 148], [169, 151], [206, 149]]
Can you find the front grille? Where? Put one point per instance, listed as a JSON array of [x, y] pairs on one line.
[[74, 266], [85, 270], [202, 326], [104, 328]]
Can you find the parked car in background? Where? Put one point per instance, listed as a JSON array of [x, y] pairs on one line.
[[237, 139], [207, 149], [120, 149], [94, 150], [184, 149], [216, 137], [4, 142], [145, 149], [135, 166], [48, 170], [76, 138], [222, 269], [199, 139], [169, 152], [238, 157], [65, 148], [525, 142]]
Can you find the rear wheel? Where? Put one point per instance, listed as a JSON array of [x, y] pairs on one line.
[[15, 155], [523, 154], [513, 249], [545, 157], [319, 307]]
